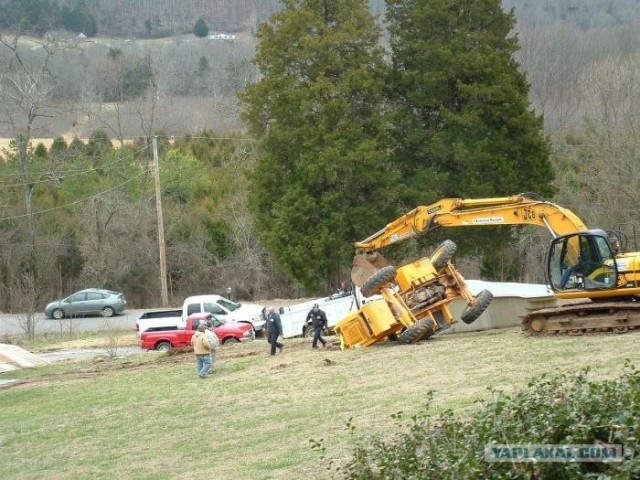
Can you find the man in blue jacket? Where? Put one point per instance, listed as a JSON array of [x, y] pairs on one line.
[[274, 329], [319, 323]]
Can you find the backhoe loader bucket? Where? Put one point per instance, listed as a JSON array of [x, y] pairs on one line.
[[365, 265]]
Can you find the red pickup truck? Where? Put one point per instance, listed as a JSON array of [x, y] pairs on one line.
[[176, 338]]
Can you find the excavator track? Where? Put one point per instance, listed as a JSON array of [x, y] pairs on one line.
[[583, 318]]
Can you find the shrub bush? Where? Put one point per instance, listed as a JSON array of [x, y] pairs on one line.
[[554, 409], [201, 29]]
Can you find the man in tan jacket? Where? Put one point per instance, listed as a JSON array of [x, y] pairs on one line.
[[202, 350]]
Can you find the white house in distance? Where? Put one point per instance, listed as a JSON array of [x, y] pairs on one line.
[[221, 36]]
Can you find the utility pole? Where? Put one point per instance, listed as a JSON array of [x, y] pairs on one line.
[[161, 243]]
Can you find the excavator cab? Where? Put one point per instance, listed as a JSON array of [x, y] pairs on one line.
[[582, 261]]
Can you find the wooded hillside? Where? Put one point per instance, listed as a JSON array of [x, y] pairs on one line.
[[139, 18], [156, 18], [580, 57]]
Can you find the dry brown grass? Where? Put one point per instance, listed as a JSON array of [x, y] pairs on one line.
[[279, 403], [124, 339]]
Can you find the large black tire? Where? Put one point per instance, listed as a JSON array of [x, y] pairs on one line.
[[108, 312], [57, 314], [422, 329], [376, 281], [475, 309], [443, 254], [308, 332]]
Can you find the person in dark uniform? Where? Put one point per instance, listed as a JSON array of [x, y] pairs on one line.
[[319, 323], [274, 329]]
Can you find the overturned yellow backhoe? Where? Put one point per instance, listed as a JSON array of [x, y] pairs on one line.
[[414, 301], [591, 265]]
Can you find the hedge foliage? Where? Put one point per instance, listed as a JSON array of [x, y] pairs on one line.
[[554, 409]]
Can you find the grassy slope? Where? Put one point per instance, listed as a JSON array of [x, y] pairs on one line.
[[152, 417]]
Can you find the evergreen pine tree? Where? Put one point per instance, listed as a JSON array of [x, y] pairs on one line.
[[321, 181], [201, 29], [462, 124]]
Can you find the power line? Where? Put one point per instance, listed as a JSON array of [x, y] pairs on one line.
[[72, 174], [38, 244], [75, 202], [120, 159], [188, 137], [63, 175]]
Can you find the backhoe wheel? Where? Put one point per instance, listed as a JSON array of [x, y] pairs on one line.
[[443, 254], [479, 305], [376, 281], [422, 329]]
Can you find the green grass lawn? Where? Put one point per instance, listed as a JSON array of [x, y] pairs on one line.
[[150, 416]]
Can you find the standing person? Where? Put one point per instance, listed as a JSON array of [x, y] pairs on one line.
[[274, 329], [202, 350], [319, 323], [214, 342]]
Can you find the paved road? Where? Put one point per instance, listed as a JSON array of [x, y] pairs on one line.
[[15, 324]]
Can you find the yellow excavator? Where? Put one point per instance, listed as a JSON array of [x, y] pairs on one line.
[[582, 264]]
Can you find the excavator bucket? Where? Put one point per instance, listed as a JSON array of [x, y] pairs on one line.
[[365, 265]]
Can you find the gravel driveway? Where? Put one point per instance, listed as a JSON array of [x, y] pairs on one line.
[[86, 353]]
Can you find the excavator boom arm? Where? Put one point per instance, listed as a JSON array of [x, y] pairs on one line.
[[457, 212], [582, 263]]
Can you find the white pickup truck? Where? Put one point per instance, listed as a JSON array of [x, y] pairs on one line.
[[153, 320], [223, 308]]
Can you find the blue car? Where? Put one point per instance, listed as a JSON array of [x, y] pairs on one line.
[[91, 301]]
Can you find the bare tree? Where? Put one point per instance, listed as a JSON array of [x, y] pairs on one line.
[[598, 175], [149, 104], [108, 80], [553, 58], [24, 295], [26, 89], [251, 256]]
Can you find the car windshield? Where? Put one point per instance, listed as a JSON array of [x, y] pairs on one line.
[[228, 304], [213, 308], [216, 321]]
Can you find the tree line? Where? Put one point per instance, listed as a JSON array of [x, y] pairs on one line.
[[344, 135], [94, 221], [162, 18], [40, 16], [132, 18]]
